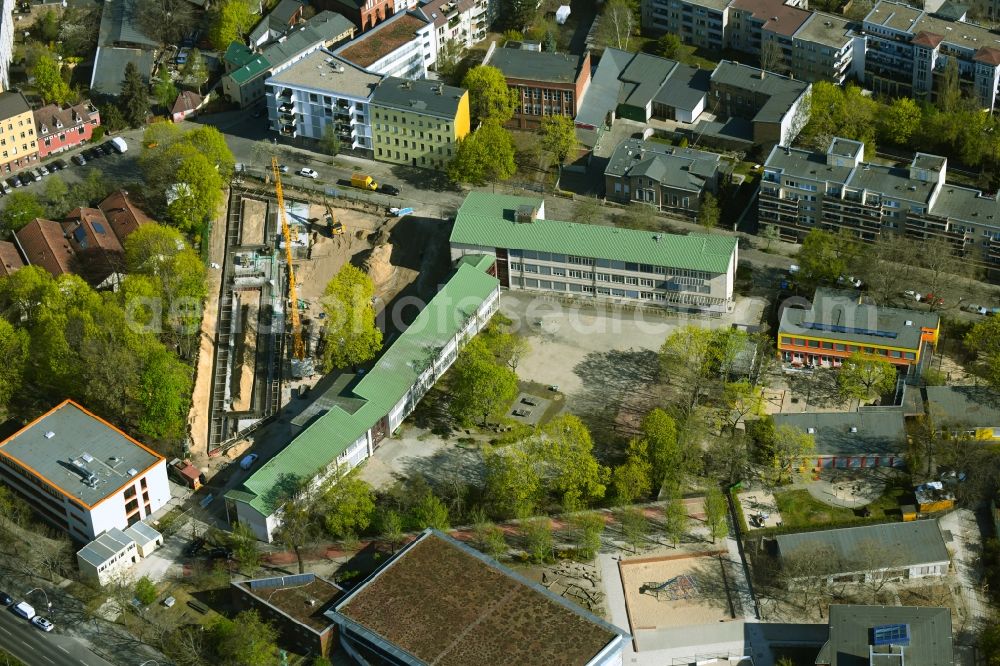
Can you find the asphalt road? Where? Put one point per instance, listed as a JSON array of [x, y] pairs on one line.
[[36, 648]]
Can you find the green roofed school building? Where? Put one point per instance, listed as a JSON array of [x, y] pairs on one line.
[[694, 272], [345, 425], [439, 601]]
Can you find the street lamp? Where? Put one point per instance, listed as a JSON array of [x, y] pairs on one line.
[[38, 589]]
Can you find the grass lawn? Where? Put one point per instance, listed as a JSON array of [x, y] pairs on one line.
[[800, 509], [7, 660]]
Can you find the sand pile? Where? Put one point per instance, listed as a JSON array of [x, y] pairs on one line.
[[378, 267]]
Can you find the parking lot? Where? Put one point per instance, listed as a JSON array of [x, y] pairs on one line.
[[114, 166]]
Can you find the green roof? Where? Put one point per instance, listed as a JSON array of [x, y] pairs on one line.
[[238, 54], [488, 220], [259, 65], [385, 384]]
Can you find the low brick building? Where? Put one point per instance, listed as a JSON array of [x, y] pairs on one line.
[[296, 606], [60, 129], [548, 84]]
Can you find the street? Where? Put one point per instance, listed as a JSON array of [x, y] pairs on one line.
[[33, 646]]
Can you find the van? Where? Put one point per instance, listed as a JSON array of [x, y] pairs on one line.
[[118, 145], [24, 610]]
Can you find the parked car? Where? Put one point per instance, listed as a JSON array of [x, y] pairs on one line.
[[977, 309], [104, 148], [283, 168], [35, 174], [13, 181], [169, 602], [220, 553], [248, 461], [60, 164], [308, 173], [91, 154], [25, 178], [391, 190], [194, 547], [6, 599], [24, 609], [78, 160], [43, 169], [43, 623], [5, 187]]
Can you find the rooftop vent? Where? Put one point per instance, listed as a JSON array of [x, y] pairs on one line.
[[811, 431], [132, 471], [89, 458], [49, 435], [909, 322]]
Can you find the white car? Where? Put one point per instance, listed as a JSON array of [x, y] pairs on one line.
[[308, 173], [283, 168], [909, 293], [42, 623]]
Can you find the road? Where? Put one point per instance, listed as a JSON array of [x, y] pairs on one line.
[[35, 647]]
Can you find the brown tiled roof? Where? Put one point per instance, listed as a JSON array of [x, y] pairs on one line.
[[778, 17], [381, 40], [88, 229], [10, 258], [123, 216], [928, 39], [51, 116], [186, 101], [44, 245], [988, 55]]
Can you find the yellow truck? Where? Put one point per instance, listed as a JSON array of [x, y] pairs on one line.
[[363, 182]]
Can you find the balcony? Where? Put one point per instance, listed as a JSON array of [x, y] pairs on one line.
[[285, 94], [287, 107]]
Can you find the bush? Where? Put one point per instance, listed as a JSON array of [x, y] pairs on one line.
[[98, 133], [145, 591]]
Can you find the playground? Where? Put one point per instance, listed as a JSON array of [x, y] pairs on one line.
[[676, 590]]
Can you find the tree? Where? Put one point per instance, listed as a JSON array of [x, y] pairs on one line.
[[19, 209], [899, 121], [167, 21], [864, 377], [230, 21], [665, 454], [618, 23], [715, 513], [708, 211], [821, 258], [537, 535], [687, 361], [14, 343], [983, 341], [430, 511], [480, 387], [348, 506], [391, 528], [840, 112], [741, 399], [489, 96], [634, 526], [245, 640], [669, 45], [513, 485], [587, 210], [164, 89], [164, 389], [791, 445], [728, 457], [587, 529], [112, 118], [56, 197], [329, 143], [78, 31], [937, 255], [949, 92], [352, 335], [134, 98], [195, 70], [245, 547], [550, 41], [297, 529], [572, 472], [771, 57], [449, 57], [145, 591], [518, 14], [770, 233], [675, 519], [49, 83], [486, 155], [633, 478], [559, 138], [47, 27]]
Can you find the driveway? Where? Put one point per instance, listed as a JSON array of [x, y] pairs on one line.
[[966, 547]]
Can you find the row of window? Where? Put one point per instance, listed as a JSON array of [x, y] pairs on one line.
[[439, 126], [846, 348], [676, 284], [434, 164], [554, 285], [607, 263], [392, 129]]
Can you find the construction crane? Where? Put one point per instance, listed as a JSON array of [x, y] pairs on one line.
[[298, 348]]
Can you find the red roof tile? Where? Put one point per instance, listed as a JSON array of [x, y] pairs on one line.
[[778, 17], [988, 55], [123, 216], [88, 229], [927, 39], [44, 246], [10, 258]]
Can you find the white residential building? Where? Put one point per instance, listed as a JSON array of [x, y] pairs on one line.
[[403, 46], [107, 558], [464, 21], [6, 41], [82, 474], [320, 90]]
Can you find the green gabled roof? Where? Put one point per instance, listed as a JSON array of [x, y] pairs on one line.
[[487, 220], [385, 384], [482, 262], [238, 54], [259, 65]]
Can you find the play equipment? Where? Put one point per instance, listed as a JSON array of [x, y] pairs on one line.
[[678, 587]]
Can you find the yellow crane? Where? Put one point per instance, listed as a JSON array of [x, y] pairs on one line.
[[298, 348]]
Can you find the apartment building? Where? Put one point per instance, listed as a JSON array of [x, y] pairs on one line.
[[60, 129], [803, 190], [669, 178], [6, 41], [345, 425], [548, 84], [403, 46], [908, 48], [320, 90], [247, 69], [776, 106], [462, 22], [608, 264], [81, 474], [813, 46], [18, 142], [417, 123], [365, 14], [838, 324]]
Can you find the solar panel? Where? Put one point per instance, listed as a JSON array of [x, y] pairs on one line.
[[891, 634], [99, 228], [282, 581]]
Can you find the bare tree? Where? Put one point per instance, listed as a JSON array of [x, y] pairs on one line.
[[772, 59], [618, 23], [876, 564]]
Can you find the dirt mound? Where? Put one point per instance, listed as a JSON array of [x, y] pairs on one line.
[[378, 266]]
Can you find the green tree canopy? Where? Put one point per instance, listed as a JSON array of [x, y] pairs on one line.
[[513, 485], [352, 336], [840, 112], [49, 83], [669, 45], [864, 377], [230, 21], [486, 155], [348, 506], [19, 208], [575, 476], [145, 591], [715, 513], [429, 511], [164, 89], [481, 388], [708, 211], [984, 341], [14, 344], [824, 257], [559, 138], [633, 478], [329, 143], [899, 121], [489, 96], [134, 98], [246, 640]]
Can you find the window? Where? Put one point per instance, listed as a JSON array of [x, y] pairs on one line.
[[814, 344]]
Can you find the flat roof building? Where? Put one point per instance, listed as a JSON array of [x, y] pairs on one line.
[[82, 474], [838, 324], [694, 272], [403, 46], [547, 83], [964, 410], [887, 636], [439, 601], [858, 439]]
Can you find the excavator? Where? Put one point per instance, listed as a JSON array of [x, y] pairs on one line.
[[301, 366], [335, 227]]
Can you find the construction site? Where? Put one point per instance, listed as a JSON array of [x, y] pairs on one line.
[[265, 350]]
